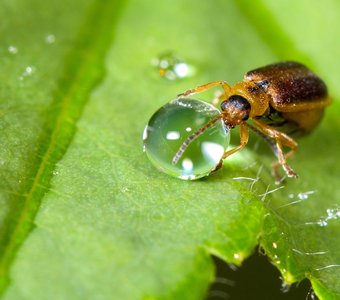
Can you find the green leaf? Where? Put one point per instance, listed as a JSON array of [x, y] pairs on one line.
[[83, 214]]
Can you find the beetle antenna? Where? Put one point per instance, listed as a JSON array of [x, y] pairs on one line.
[[192, 137]]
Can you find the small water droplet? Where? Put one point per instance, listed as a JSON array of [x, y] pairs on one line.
[[55, 172], [12, 49], [29, 70], [125, 189], [274, 245], [285, 287], [236, 256], [50, 39], [171, 67], [322, 223], [311, 295]]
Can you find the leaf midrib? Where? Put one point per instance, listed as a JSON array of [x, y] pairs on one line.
[[85, 65]]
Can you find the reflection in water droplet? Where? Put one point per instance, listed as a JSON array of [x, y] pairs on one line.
[[171, 67], [12, 49], [50, 39], [187, 165], [274, 245], [212, 151], [173, 135]]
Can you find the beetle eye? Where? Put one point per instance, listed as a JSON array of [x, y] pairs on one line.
[[223, 105]]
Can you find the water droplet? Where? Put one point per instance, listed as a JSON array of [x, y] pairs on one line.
[[55, 172], [168, 129], [50, 39], [29, 70], [274, 245], [12, 49], [236, 256], [125, 189], [171, 67], [322, 222], [285, 287]]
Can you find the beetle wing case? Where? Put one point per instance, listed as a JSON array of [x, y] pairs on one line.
[[291, 86]]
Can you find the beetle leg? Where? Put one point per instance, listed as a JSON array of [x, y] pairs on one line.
[[276, 165], [205, 87], [244, 135], [281, 140]]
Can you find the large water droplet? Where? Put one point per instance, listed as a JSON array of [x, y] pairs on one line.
[[171, 125]]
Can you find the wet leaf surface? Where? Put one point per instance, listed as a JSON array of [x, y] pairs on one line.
[[83, 213]]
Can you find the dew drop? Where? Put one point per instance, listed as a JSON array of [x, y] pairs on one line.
[[29, 70], [12, 49], [125, 189], [168, 129], [50, 39], [55, 172], [171, 67], [236, 256], [322, 222]]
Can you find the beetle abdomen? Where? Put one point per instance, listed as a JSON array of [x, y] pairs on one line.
[[291, 86]]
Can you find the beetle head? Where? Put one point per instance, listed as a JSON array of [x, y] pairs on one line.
[[235, 110]]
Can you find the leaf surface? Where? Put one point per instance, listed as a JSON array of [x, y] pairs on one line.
[[85, 215]]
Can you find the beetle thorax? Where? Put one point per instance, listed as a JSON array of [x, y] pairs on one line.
[[256, 97]]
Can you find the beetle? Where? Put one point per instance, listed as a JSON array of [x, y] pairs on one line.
[[280, 99]]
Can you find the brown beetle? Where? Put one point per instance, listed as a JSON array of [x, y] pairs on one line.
[[279, 99]]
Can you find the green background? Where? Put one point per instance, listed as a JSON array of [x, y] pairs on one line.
[[84, 215]]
